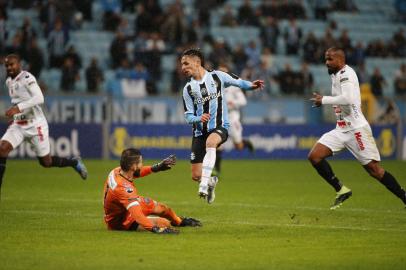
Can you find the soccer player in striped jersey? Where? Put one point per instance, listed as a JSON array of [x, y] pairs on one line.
[[206, 109]]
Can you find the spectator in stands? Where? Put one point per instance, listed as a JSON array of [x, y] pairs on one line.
[[253, 52], [270, 33], [174, 27], [144, 20], [289, 81], [203, 9], [72, 54], [292, 34], [35, 58], [70, 75], [377, 83], [85, 8], [57, 40], [3, 32], [94, 76], [15, 47], [153, 7], [125, 29], [128, 5], [377, 48], [28, 33], [362, 74], [358, 55], [344, 5], [220, 53], [311, 49], [118, 49], [239, 58], [326, 42], [398, 44], [48, 15], [228, 18], [400, 81], [154, 48], [390, 115], [344, 41], [111, 15], [306, 77], [400, 6], [263, 71], [321, 8], [246, 14]]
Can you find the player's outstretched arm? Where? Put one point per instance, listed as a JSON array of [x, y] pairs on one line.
[[165, 164]]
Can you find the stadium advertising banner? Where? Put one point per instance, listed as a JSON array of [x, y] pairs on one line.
[[67, 140], [270, 141]]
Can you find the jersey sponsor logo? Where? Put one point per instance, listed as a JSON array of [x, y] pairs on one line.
[[358, 137], [211, 96]]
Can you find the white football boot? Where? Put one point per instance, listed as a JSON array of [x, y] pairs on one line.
[[212, 186]]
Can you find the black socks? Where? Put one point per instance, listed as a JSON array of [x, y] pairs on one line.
[[393, 186], [63, 162], [325, 171]]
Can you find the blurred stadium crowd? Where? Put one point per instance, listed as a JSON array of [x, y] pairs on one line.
[[130, 48]]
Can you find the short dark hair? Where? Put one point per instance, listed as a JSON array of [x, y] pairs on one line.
[[129, 157], [15, 56], [195, 52], [338, 50]]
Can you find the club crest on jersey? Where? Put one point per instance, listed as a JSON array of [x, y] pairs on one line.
[[204, 91]]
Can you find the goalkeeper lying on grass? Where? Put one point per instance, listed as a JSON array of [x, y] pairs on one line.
[[124, 209]]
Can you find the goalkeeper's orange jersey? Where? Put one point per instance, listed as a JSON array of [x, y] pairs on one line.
[[122, 204]]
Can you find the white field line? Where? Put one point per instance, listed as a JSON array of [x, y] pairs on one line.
[[230, 204]]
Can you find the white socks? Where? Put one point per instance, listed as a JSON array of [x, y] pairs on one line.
[[208, 165]]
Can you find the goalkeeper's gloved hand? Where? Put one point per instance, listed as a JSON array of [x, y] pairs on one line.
[[167, 230], [165, 164]]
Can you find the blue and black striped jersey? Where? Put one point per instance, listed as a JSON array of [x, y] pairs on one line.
[[207, 96]]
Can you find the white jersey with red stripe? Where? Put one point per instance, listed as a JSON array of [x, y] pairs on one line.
[[25, 93], [346, 100]]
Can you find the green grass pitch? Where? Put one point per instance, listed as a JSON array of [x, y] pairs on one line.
[[267, 215]]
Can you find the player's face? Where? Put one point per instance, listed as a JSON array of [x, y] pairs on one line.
[[190, 65], [333, 62], [138, 166], [12, 67]]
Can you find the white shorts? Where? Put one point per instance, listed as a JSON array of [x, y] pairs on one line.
[[359, 142], [35, 133], [235, 131]]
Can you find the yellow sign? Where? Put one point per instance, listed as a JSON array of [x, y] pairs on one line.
[[120, 140]]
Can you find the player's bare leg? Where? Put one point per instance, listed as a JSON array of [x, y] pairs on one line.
[[5, 149], [385, 178], [207, 184], [317, 158], [77, 164]]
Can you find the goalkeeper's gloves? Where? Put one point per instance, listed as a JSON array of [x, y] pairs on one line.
[[167, 230], [165, 164]]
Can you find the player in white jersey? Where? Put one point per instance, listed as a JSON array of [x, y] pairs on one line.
[[236, 100], [352, 131], [28, 121]]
